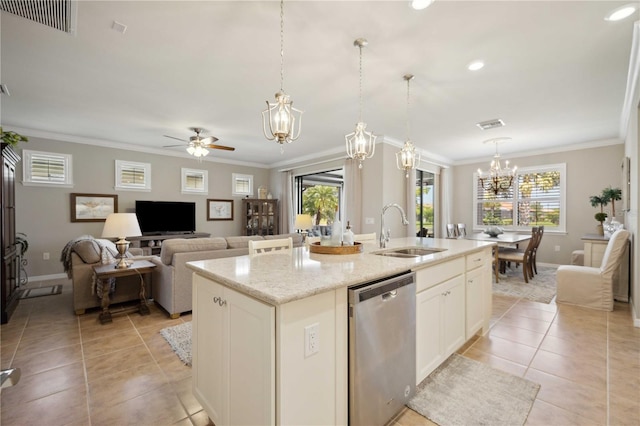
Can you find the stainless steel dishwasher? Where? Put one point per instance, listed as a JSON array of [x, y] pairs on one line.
[[382, 348]]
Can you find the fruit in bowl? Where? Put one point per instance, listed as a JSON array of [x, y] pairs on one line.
[[493, 231]]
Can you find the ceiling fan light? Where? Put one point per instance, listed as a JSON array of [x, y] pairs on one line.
[[191, 150]]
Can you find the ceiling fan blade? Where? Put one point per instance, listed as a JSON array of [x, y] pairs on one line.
[[173, 146], [214, 146], [173, 137], [209, 139]]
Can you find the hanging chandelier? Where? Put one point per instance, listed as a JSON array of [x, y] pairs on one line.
[[283, 121], [360, 144], [408, 157], [497, 179]]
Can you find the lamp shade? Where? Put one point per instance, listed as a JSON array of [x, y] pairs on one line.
[[121, 225], [303, 221]]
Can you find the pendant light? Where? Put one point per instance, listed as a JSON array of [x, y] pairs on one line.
[[281, 118], [360, 144], [408, 157], [497, 179]]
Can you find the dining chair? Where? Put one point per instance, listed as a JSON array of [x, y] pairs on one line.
[[452, 231], [593, 287], [535, 249], [281, 245], [520, 257], [462, 230], [424, 232]]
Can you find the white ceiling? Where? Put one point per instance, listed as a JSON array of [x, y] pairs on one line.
[[556, 73]]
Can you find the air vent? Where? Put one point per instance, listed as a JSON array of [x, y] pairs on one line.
[[58, 14], [490, 124]]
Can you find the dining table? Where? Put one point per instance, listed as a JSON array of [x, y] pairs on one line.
[[506, 239]]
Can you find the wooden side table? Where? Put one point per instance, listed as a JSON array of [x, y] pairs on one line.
[[138, 267]]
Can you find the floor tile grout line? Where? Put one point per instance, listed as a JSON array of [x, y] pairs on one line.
[[86, 373]]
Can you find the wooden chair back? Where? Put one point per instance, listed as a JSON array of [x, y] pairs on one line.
[[281, 245]]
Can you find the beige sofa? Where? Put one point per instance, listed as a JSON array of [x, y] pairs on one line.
[[172, 278], [83, 256]]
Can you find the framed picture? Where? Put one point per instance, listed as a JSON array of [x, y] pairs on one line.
[[219, 209], [92, 207]]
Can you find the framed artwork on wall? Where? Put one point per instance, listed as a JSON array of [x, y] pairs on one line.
[[92, 207], [219, 209]]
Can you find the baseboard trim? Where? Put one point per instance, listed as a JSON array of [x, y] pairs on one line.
[[48, 277]]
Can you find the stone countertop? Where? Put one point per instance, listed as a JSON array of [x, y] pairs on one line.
[[280, 278]]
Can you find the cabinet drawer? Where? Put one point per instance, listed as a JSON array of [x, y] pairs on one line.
[[476, 260], [432, 275]]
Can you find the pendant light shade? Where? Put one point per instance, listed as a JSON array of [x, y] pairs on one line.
[[360, 143], [281, 121], [408, 157]]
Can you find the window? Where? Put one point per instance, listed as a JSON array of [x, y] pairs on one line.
[[47, 168], [133, 176], [537, 197], [320, 195], [425, 195], [241, 185], [195, 181]]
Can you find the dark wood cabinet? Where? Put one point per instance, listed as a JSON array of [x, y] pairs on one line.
[[260, 216], [10, 253]]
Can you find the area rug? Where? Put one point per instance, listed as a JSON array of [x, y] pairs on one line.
[[466, 392], [540, 288], [49, 290], [179, 338]]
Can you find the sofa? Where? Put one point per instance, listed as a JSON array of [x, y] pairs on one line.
[[171, 286], [79, 257]]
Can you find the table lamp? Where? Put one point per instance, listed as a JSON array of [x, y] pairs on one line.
[[303, 223], [121, 225]]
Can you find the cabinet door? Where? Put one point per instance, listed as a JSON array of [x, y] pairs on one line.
[[250, 345], [474, 301], [233, 355], [453, 320], [428, 332], [210, 374]]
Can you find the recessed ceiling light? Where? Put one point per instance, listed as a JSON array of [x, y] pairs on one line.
[[621, 12], [475, 65], [421, 4]]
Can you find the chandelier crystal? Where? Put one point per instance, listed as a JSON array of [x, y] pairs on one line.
[[408, 157], [283, 121], [497, 179], [360, 143]]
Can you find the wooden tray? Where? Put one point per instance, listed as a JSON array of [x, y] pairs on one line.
[[317, 248]]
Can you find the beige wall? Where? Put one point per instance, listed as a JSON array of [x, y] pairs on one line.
[[43, 213], [588, 172]]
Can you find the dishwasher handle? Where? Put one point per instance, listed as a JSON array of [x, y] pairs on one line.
[[390, 295], [383, 287]]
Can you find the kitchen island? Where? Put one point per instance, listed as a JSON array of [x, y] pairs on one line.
[[252, 359]]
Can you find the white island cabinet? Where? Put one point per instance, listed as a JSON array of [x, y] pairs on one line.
[[270, 333]]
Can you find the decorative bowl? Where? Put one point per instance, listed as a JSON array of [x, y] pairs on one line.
[[493, 231]]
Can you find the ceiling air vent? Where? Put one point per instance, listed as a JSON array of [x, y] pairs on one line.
[[491, 124], [58, 14]]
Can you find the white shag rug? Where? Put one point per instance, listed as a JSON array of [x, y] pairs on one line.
[[179, 337]]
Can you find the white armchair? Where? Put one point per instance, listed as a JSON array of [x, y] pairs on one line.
[[592, 287]]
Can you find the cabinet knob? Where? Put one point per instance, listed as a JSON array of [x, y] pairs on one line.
[[219, 300]]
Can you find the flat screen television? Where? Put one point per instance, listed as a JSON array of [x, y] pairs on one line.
[[166, 217]]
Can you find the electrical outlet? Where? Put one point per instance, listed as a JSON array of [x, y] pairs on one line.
[[45, 256], [557, 248], [369, 221], [311, 339]]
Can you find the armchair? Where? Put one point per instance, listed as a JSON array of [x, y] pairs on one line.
[[592, 287]]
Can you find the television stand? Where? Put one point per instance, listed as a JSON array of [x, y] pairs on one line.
[[152, 244]]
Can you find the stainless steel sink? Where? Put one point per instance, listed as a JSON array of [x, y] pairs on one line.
[[410, 252]]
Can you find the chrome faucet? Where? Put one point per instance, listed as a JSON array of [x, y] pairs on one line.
[[385, 237]]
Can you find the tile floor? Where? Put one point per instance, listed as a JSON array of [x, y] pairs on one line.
[[78, 372]]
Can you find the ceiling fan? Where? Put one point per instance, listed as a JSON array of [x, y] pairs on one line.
[[197, 145]]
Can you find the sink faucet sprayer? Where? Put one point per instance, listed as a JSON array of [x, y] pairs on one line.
[[385, 237]]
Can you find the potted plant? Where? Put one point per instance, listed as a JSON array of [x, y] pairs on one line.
[[12, 138], [613, 195], [599, 200]]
